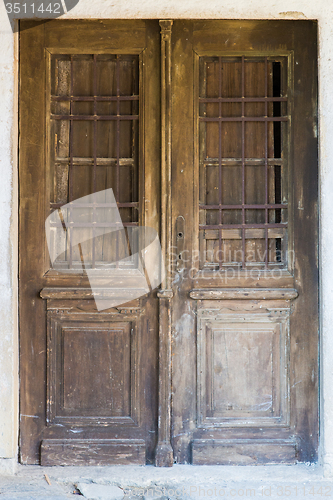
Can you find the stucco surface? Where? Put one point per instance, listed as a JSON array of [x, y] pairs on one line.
[[8, 284], [322, 10]]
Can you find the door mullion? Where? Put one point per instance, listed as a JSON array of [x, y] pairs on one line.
[[164, 452]]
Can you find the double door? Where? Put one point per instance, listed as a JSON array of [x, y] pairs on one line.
[[203, 349]]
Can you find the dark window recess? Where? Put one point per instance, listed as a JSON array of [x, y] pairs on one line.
[[277, 149], [94, 137], [243, 167]]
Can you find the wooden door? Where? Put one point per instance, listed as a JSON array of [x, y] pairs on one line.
[[89, 122], [206, 132], [244, 215]]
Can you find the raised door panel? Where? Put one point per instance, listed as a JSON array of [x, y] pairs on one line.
[[243, 366], [91, 371]]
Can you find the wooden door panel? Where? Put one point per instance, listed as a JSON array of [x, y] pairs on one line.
[[243, 451], [241, 292], [83, 392], [254, 391], [89, 391], [87, 360], [93, 452]]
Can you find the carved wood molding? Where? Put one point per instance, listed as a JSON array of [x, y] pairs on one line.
[[164, 452], [66, 293], [87, 293], [244, 293]]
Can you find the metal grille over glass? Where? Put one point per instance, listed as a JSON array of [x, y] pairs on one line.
[[94, 128], [243, 127]]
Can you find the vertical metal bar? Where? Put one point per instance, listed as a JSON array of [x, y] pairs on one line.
[[278, 170], [243, 162], [266, 163], [70, 177], [133, 166], [95, 125], [95, 163], [117, 149], [118, 127], [220, 164]]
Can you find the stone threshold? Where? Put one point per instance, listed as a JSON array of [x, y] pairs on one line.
[[301, 482]]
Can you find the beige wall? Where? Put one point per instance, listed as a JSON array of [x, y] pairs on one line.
[[322, 10]]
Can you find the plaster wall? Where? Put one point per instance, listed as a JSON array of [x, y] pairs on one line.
[[322, 10]]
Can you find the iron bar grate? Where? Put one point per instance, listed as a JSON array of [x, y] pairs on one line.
[[242, 126], [94, 125]]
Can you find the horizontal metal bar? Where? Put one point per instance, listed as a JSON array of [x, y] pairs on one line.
[[94, 98], [100, 162], [106, 205], [94, 117], [240, 226], [247, 161], [243, 99], [250, 234], [237, 207], [90, 225], [73, 204], [244, 119]]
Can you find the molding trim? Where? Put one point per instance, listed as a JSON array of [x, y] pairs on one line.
[[164, 452], [244, 294]]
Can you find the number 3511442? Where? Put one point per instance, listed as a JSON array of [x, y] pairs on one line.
[[32, 8]]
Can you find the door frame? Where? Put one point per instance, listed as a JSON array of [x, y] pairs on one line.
[[164, 450]]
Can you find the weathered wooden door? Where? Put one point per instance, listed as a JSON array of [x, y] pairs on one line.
[[206, 132], [89, 122], [244, 215]]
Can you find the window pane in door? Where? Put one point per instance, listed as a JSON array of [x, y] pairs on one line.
[[243, 130], [94, 136]]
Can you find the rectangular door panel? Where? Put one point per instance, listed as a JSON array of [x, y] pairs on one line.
[[254, 390]]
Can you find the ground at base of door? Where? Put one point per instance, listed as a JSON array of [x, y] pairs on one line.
[[181, 482]]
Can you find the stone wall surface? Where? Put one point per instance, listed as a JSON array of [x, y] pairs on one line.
[[322, 10]]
